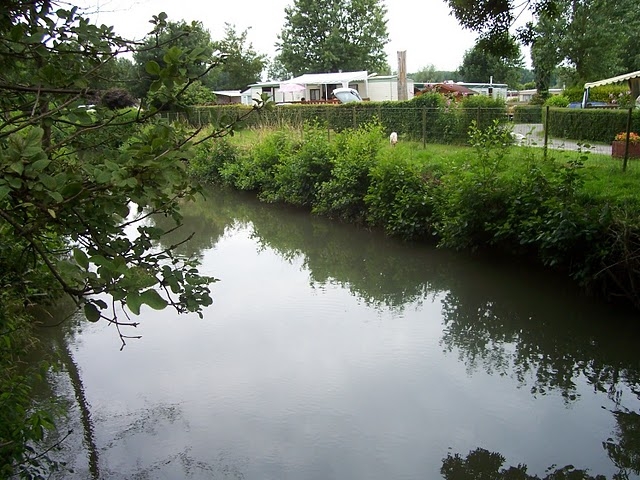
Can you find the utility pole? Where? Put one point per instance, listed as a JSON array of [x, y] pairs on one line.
[[402, 76]]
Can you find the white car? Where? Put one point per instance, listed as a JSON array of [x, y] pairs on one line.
[[347, 95]]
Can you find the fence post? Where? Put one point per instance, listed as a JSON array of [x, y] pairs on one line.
[[354, 117], [478, 117], [545, 126], [626, 145], [326, 111], [424, 127]]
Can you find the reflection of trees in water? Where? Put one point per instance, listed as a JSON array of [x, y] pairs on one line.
[[504, 323], [53, 335], [624, 449], [553, 347], [481, 464]]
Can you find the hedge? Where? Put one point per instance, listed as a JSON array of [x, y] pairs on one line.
[[429, 117], [591, 124], [527, 114]]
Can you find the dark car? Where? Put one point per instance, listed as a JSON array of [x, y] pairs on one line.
[[589, 105]]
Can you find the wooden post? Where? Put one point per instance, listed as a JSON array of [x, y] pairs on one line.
[[402, 76], [546, 133], [626, 145], [424, 127]]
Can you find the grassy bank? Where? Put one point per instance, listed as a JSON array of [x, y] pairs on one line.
[[573, 211]]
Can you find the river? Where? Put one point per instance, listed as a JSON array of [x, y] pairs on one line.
[[333, 352]]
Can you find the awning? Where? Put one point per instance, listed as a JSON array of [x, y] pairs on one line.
[[329, 78], [619, 78]]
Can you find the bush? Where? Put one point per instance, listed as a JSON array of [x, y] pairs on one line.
[[209, 159], [400, 198], [354, 154], [255, 169], [117, 98], [298, 176], [557, 101]]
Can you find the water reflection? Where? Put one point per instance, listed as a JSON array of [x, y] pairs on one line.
[[281, 382]]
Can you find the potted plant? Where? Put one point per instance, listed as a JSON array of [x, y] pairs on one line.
[[619, 145]]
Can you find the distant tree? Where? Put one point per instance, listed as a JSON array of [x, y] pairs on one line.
[[333, 35], [276, 70], [429, 74], [479, 65], [241, 65], [171, 38]]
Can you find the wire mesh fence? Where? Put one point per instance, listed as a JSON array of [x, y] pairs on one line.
[[602, 132]]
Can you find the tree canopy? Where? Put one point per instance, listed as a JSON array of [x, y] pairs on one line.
[[330, 36], [241, 65], [480, 65], [588, 39], [78, 188]]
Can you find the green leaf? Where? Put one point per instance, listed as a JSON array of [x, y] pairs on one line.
[[81, 258], [17, 167], [4, 191], [91, 312], [152, 67], [48, 181], [153, 299], [41, 164], [133, 302]]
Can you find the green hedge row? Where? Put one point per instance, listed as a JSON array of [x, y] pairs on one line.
[[527, 114], [591, 124], [429, 117]]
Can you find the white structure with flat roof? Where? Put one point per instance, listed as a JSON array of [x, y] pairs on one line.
[[319, 86]]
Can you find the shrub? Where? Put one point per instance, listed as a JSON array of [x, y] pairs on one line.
[[299, 174], [209, 159], [255, 169], [354, 154], [400, 197], [557, 101], [117, 98], [473, 196]]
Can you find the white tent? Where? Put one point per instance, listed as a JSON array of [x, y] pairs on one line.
[[339, 78]]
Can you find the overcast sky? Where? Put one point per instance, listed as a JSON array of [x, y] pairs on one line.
[[425, 29]]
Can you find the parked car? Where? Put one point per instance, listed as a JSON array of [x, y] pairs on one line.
[[347, 95], [590, 105]]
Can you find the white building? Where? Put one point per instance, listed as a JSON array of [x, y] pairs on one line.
[[317, 87], [495, 90]]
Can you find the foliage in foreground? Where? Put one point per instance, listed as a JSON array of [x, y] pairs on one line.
[[492, 195], [76, 189]]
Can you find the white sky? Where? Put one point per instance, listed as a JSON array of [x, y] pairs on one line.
[[424, 28]]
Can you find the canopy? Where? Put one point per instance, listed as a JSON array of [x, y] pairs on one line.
[[330, 78], [634, 85], [286, 87], [607, 81]]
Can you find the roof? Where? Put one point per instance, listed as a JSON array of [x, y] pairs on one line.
[[450, 88], [228, 93], [607, 81], [327, 78]]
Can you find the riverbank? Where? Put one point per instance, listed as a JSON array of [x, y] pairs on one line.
[[572, 212]]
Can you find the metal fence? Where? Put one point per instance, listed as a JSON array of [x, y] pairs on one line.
[[552, 129]]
